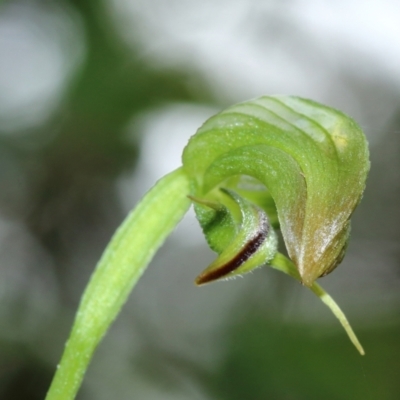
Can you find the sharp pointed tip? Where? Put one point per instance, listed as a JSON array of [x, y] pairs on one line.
[[197, 282], [308, 273], [307, 283], [207, 276], [201, 280], [307, 279]]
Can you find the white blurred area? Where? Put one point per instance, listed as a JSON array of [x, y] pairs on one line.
[[165, 132], [249, 48], [40, 49], [245, 49]]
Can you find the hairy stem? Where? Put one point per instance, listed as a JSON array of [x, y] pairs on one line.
[[123, 262]]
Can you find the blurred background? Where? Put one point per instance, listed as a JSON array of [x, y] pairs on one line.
[[97, 100]]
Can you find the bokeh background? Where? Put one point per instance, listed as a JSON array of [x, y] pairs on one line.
[[97, 100]]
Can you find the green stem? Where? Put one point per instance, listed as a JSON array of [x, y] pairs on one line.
[[338, 313], [282, 263], [123, 262]]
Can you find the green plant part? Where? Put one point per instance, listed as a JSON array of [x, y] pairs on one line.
[[253, 244], [274, 162], [312, 159]]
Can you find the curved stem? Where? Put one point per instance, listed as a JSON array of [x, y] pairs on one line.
[[338, 313], [123, 262], [282, 263]]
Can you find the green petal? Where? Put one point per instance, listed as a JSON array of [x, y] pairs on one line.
[[311, 158], [254, 243]]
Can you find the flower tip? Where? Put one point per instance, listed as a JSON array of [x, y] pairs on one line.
[[309, 273], [204, 278], [199, 281], [307, 281]]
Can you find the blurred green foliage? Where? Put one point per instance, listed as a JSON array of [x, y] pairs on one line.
[[70, 165], [268, 360]]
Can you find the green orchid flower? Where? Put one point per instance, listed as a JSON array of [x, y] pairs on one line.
[[277, 162]]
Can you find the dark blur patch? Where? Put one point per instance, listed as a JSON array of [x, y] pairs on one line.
[[23, 378], [266, 359], [69, 166]]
